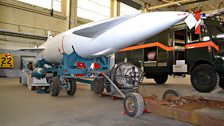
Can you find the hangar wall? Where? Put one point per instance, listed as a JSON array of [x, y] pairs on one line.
[[24, 18], [23, 25]]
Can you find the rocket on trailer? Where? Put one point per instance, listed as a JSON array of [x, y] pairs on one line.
[[82, 51]]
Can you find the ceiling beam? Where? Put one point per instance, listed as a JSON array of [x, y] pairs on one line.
[[167, 1], [173, 3], [132, 4]]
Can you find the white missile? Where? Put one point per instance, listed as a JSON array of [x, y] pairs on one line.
[[108, 36]]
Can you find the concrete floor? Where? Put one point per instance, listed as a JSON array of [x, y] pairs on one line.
[[182, 85], [21, 107]]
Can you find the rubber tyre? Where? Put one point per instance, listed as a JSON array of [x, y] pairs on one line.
[[99, 85], [55, 87], [221, 82], [161, 79], [147, 75], [169, 93], [93, 86], [73, 87], [204, 78], [108, 88], [134, 104], [112, 73], [221, 86]]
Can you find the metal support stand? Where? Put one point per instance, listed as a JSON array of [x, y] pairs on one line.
[[122, 94], [74, 68]]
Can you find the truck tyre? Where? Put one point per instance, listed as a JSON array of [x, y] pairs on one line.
[[161, 79], [134, 105], [147, 75], [204, 78], [72, 90], [221, 82], [99, 85], [55, 87], [221, 85]]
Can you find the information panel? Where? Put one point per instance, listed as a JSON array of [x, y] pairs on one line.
[[6, 61]]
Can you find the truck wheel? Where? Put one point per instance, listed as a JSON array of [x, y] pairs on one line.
[[221, 85], [55, 87], [161, 79], [147, 75], [221, 82], [204, 78], [134, 104], [99, 85], [73, 88]]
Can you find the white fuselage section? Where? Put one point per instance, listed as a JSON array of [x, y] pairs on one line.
[[108, 36]]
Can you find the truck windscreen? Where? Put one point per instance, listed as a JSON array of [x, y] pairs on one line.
[[216, 32]]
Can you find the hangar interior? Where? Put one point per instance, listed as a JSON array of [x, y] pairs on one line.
[[29, 23]]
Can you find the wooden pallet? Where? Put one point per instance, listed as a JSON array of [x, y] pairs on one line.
[[191, 109]]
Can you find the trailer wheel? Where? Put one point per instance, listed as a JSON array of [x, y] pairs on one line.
[[108, 88], [55, 87], [134, 105], [161, 79], [204, 78], [98, 85], [92, 86], [72, 90]]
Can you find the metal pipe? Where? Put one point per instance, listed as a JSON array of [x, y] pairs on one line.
[[122, 94], [174, 3], [22, 35], [69, 18]]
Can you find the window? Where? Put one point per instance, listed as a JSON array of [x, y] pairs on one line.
[[125, 10], [93, 9], [49, 4]]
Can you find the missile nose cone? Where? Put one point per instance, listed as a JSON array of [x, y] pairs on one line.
[[170, 14], [178, 16]]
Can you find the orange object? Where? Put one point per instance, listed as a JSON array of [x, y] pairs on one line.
[[203, 44], [167, 48]]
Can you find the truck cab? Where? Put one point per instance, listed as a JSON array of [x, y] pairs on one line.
[[179, 51]]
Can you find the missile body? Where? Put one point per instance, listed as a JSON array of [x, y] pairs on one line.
[[108, 36]]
